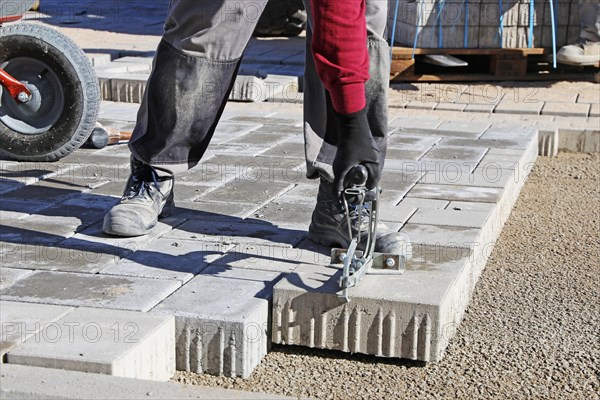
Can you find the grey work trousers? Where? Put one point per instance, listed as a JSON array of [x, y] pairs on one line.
[[195, 67], [589, 19]]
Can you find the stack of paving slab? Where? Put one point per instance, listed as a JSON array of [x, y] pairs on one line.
[[484, 23], [231, 271], [269, 71]]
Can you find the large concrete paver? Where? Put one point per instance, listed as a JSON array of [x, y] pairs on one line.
[[222, 320], [120, 343], [24, 382], [21, 321], [90, 290]]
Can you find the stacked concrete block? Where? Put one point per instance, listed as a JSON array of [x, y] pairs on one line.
[[487, 23]]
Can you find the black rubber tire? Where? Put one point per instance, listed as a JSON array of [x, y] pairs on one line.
[[72, 69], [282, 18]]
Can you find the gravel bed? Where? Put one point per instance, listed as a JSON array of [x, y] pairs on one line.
[[532, 329]]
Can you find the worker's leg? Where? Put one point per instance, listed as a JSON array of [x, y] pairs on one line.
[[194, 70], [587, 50]]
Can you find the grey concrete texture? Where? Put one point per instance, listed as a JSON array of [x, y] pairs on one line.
[[25, 382], [222, 318], [119, 343]]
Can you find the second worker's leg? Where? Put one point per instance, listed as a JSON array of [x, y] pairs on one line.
[[193, 73]]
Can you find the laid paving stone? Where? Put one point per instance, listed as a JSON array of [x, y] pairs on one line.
[[237, 233], [59, 257], [168, 259], [464, 154], [424, 203], [266, 121], [230, 131], [38, 229], [301, 193], [470, 206], [268, 258], [395, 213], [566, 109], [94, 236], [450, 217], [421, 105], [585, 140], [404, 154], [8, 276], [238, 150], [444, 236], [221, 335], [480, 107], [450, 107], [456, 192], [225, 168], [416, 167], [259, 139], [39, 383], [488, 174], [286, 215], [248, 192], [30, 172], [415, 125], [22, 207], [118, 111], [9, 186], [405, 141], [93, 174], [44, 192], [285, 149], [85, 290], [213, 210], [22, 321], [595, 110], [111, 342], [399, 181], [508, 105], [463, 128], [489, 143]]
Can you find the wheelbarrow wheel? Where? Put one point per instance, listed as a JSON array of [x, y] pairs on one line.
[[65, 99]]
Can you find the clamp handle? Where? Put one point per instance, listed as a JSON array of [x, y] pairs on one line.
[[358, 175]]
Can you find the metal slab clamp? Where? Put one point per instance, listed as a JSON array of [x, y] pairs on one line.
[[359, 260]]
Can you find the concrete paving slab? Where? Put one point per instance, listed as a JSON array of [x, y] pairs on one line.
[[406, 141], [248, 191], [564, 109], [456, 192], [464, 154], [21, 321], [453, 128], [168, 259], [237, 233], [415, 125], [86, 290], [490, 174], [267, 258], [450, 217], [470, 206], [59, 257], [382, 317], [22, 207], [214, 210], [508, 105], [112, 342], [38, 229], [286, 215], [221, 335], [8, 276], [24, 382]]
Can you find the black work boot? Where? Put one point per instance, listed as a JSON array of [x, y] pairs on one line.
[[329, 225], [147, 197]]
